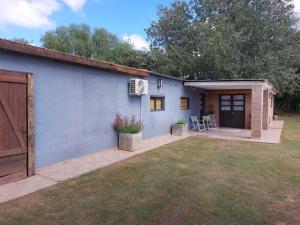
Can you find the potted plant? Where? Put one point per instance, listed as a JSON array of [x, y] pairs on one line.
[[130, 132], [211, 112], [180, 128]]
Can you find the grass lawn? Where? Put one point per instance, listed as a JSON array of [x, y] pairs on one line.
[[193, 181]]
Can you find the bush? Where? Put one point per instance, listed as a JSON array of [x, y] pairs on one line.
[[181, 122], [129, 125]]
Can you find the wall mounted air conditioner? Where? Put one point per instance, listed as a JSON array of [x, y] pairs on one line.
[[138, 87]]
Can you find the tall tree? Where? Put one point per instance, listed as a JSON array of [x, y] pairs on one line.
[[98, 43], [21, 40], [103, 44], [75, 39], [211, 39]]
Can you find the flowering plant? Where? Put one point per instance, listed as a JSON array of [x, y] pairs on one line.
[[129, 125]]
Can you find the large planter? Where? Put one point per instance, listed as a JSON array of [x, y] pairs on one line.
[[130, 142], [179, 129]]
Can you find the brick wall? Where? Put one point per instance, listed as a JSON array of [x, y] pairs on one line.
[[212, 103], [257, 111], [248, 110], [266, 108]]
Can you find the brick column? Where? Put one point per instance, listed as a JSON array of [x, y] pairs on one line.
[[256, 111], [266, 110]]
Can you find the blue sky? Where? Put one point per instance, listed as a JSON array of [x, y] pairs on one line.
[[31, 18], [125, 18]]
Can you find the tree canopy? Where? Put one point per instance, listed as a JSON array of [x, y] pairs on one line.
[[98, 43], [21, 41], [224, 39]]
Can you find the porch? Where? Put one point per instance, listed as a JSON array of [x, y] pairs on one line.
[[269, 136], [241, 104]]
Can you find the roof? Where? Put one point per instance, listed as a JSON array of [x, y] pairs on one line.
[[230, 84], [166, 76], [228, 80], [60, 56], [85, 61]]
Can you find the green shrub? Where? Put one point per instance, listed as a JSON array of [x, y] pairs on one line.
[[181, 122]]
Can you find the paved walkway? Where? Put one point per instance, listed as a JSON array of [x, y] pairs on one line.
[[55, 173]]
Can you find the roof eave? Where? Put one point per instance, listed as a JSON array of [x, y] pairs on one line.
[[60, 56], [228, 84]]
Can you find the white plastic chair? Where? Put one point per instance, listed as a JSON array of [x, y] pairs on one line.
[[213, 121], [210, 122], [197, 124]]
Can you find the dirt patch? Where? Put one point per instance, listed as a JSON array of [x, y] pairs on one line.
[[290, 207]]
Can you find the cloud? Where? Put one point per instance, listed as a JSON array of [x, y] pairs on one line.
[[33, 13], [137, 41], [297, 6], [297, 12], [75, 5]]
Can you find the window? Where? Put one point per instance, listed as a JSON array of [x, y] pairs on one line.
[[184, 103], [157, 103], [232, 103]]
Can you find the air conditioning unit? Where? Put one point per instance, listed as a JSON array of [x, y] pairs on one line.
[[138, 87]]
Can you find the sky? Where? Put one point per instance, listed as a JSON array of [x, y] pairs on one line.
[[127, 19]]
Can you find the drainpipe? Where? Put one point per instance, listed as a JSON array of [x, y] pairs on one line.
[[141, 108]]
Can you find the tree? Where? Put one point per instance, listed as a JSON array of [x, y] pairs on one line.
[[103, 44], [21, 40], [99, 44], [215, 39], [75, 39]]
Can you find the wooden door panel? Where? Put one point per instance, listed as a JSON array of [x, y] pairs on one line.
[[12, 164], [232, 110], [238, 109], [13, 177], [8, 139], [13, 104], [12, 151], [225, 111], [13, 127]]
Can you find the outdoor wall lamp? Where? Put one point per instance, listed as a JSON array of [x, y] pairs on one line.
[[159, 83]]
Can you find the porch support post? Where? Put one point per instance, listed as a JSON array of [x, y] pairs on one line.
[[256, 111], [266, 109]]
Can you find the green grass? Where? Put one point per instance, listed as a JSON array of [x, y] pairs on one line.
[[193, 181]]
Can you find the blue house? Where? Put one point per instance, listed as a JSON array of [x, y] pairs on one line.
[[57, 106]]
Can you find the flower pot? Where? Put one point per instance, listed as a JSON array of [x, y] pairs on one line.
[[130, 142], [179, 129]]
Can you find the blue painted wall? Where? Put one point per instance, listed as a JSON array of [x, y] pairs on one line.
[[75, 106], [159, 122]]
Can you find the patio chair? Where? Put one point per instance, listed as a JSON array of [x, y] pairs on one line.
[[213, 121], [210, 122], [197, 124]]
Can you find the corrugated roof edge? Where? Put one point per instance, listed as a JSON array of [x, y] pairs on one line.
[[224, 80], [61, 56], [228, 80], [165, 76]]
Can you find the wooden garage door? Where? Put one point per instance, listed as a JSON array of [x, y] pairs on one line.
[[232, 110], [13, 127]]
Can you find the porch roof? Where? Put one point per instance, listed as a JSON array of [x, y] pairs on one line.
[[229, 84]]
